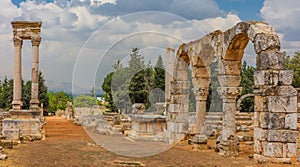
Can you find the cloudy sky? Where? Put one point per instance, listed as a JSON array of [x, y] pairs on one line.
[[81, 39]]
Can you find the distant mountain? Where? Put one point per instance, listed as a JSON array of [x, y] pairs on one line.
[[67, 87]]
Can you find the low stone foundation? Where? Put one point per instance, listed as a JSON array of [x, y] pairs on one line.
[[23, 124], [148, 127]]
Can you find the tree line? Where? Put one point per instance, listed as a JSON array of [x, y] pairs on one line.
[[137, 83]]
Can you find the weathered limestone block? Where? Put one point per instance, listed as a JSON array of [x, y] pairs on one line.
[[275, 120], [263, 42], [270, 59], [273, 149], [260, 134], [233, 54], [285, 77], [259, 102], [257, 147], [286, 136], [282, 104], [291, 121], [265, 77], [175, 107], [229, 80], [259, 28], [256, 119], [201, 81], [264, 159], [229, 92], [291, 149], [229, 67], [180, 84], [179, 99], [182, 118]]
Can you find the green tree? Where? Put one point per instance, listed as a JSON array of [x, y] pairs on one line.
[[6, 93], [43, 90], [58, 101], [26, 94], [159, 78], [247, 83], [293, 63], [136, 67], [84, 101]]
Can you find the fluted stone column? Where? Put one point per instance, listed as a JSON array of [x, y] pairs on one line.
[[17, 91], [34, 102]]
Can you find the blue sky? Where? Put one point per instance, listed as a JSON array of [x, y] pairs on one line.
[[81, 39]]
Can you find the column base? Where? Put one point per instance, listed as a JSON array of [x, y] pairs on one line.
[[228, 148], [200, 142], [17, 105], [34, 104]]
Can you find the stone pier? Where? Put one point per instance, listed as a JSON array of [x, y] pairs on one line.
[[170, 61], [24, 123], [177, 110]]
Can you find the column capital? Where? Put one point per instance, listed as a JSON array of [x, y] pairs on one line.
[[18, 41], [229, 92], [201, 93], [36, 40]]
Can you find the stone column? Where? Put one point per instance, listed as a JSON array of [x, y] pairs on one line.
[[170, 61], [34, 102], [17, 91], [201, 97], [200, 139], [228, 145]]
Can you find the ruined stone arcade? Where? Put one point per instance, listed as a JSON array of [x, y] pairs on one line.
[[275, 115]]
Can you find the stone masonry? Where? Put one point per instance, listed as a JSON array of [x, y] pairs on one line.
[[275, 116], [25, 123]]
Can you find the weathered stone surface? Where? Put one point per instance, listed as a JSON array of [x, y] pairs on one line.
[[285, 77], [275, 120], [282, 104], [291, 121], [265, 77], [229, 92], [291, 150], [270, 60], [256, 119], [260, 134], [257, 147], [259, 102], [259, 28], [286, 136], [229, 81], [229, 67], [263, 42], [273, 149]]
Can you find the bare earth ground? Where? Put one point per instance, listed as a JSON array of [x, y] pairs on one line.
[[67, 144]]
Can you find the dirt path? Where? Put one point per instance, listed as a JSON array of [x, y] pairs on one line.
[[67, 144]]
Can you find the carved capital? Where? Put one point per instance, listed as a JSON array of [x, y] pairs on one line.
[[17, 41], [36, 40], [229, 92], [201, 92]]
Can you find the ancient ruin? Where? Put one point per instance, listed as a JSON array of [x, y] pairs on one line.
[[275, 115], [24, 123]]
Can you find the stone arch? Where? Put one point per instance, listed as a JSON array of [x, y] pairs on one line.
[[202, 52], [274, 94], [239, 101], [275, 99]]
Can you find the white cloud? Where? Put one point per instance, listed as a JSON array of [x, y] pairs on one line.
[[68, 26], [284, 17]]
